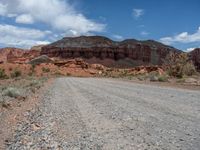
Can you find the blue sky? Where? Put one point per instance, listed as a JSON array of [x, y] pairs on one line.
[[24, 23]]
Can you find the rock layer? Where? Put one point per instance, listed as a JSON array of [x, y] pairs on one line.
[[148, 52], [195, 56]]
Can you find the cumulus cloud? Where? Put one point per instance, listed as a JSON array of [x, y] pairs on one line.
[[137, 13], [22, 37], [58, 14], [189, 49], [25, 19], [183, 37]]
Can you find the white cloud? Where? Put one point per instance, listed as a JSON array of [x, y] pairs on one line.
[[11, 15], [144, 33], [3, 9], [189, 49], [183, 37], [25, 19], [137, 13], [21, 37], [118, 37], [58, 14]]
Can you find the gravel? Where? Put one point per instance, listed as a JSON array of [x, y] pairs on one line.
[[92, 113]]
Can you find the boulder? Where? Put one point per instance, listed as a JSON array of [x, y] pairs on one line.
[[40, 60]]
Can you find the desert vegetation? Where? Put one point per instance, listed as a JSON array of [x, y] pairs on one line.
[[3, 74], [16, 73], [19, 89], [179, 65]]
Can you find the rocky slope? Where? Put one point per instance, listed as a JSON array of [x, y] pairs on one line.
[[195, 56], [9, 53], [102, 49]]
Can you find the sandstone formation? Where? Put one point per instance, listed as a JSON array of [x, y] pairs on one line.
[[89, 47], [16, 55], [7, 54], [195, 56], [37, 47]]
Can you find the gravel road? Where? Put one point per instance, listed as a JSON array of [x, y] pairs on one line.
[[92, 113]]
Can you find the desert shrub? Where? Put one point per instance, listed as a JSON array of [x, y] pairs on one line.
[[58, 73], [34, 83], [5, 104], [162, 78], [11, 92], [16, 73], [30, 74], [179, 65], [130, 77], [10, 69], [152, 76], [142, 77], [45, 69], [3, 74], [33, 68], [68, 74], [189, 69]]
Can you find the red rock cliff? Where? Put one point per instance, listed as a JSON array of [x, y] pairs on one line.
[[148, 52]]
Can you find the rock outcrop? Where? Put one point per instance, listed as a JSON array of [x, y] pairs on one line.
[[16, 55], [88, 47], [195, 56], [7, 54], [40, 60]]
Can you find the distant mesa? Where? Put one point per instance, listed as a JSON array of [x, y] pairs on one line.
[[110, 53], [99, 50]]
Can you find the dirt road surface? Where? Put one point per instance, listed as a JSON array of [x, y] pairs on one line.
[[91, 113]]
